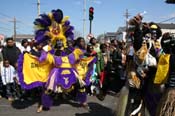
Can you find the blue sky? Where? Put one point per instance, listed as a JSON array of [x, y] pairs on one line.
[[108, 14]]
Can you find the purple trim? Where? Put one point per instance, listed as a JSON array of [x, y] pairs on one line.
[[52, 51], [46, 100], [43, 56], [90, 71], [58, 60], [63, 53], [21, 75], [61, 78], [71, 49], [72, 59], [81, 97]]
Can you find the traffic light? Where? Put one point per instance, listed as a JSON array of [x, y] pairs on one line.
[[91, 13], [170, 1]]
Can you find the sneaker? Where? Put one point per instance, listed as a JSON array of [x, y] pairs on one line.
[[85, 106], [0, 96], [40, 109], [10, 99]]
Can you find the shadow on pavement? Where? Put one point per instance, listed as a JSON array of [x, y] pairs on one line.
[[97, 110], [115, 83], [18, 104]]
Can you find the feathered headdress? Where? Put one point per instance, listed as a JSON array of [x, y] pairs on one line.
[[53, 27]]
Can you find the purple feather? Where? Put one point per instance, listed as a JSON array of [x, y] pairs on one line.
[[67, 23], [58, 15], [41, 22], [69, 32], [46, 19], [70, 29], [71, 37], [42, 39], [40, 32], [40, 36]]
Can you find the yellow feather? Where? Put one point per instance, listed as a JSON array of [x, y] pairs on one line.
[[65, 19]]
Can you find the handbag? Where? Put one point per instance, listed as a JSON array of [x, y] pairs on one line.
[[162, 69]]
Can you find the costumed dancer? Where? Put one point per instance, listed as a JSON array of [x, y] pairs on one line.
[[85, 70], [35, 69], [90, 52], [57, 29], [142, 73], [166, 75], [64, 75]]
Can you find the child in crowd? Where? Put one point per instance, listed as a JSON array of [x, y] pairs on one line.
[[8, 75]]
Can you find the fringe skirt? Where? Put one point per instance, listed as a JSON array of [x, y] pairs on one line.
[[167, 105]]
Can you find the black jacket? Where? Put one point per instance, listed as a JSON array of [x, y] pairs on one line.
[[11, 54]]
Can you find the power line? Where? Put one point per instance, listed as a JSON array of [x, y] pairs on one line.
[[167, 20], [5, 28], [2, 14], [5, 24]]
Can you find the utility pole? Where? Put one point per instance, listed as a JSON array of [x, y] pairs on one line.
[[14, 28], [84, 19], [38, 7], [126, 15]]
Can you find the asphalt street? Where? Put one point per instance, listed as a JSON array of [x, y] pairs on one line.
[[61, 107]]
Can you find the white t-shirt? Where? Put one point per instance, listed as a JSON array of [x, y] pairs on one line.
[[25, 49], [131, 51], [7, 74]]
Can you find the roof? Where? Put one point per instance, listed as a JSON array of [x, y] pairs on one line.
[[22, 36], [110, 34], [166, 25]]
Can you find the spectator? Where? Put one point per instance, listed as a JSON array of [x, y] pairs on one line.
[[11, 52], [1, 84], [25, 46], [102, 63], [95, 45], [8, 75], [1, 56], [90, 51], [80, 43]]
